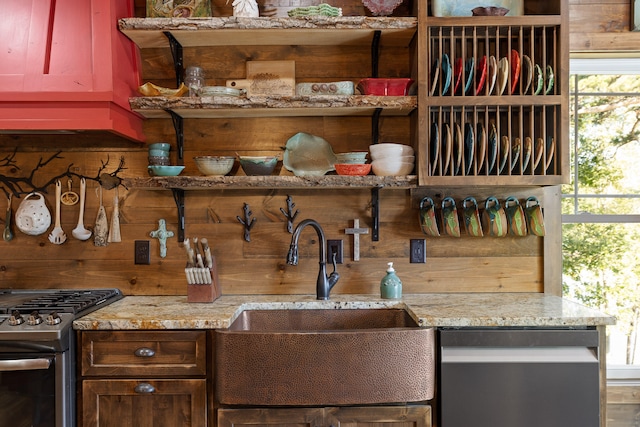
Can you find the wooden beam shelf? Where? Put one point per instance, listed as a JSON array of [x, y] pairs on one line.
[[263, 31], [269, 182]]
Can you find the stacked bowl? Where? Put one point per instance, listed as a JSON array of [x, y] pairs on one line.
[[159, 154], [392, 159], [353, 163]]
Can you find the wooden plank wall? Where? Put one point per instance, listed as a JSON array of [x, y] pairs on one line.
[[258, 267]]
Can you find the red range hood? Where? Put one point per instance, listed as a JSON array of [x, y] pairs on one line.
[[65, 68]]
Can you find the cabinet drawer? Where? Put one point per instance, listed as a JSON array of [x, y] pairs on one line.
[[137, 353]]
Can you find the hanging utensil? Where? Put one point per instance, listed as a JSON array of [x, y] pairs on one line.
[[7, 235], [80, 232], [69, 197], [57, 235], [101, 229], [114, 230]]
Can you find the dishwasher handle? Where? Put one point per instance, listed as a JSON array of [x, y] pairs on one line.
[[25, 364]]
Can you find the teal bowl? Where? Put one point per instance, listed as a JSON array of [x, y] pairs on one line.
[[164, 146], [160, 170], [258, 165]]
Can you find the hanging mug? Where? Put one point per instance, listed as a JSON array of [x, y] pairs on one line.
[[33, 216], [494, 219], [515, 217], [450, 217], [535, 219], [428, 221], [471, 217]]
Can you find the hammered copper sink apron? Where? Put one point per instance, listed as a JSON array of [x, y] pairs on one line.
[[324, 357]]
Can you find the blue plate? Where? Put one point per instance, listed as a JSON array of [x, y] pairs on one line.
[[469, 145], [446, 74], [468, 71], [435, 147], [492, 148]]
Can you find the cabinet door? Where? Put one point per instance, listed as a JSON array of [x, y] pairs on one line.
[[277, 417], [383, 416], [144, 403]]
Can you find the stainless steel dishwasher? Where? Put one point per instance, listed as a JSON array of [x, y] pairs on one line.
[[519, 378]]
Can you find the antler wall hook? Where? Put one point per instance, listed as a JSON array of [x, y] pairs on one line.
[[289, 214], [248, 222]]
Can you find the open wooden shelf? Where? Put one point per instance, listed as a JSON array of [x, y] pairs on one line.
[[263, 31], [273, 182], [273, 106]]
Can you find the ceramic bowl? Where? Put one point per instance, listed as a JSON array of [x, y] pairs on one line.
[[353, 169], [164, 146], [387, 149], [258, 165], [161, 170], [386, 167], [159, 161], [354, 157], [158, 153], [214, 165], [385, 87], [489, 11]]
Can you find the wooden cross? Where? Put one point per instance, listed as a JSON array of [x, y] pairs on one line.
[[356, 231]]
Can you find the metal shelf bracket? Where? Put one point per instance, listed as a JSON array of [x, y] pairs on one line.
[[178, 197], [176, 52]]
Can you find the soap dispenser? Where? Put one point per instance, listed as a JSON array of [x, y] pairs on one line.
[[390, 285]]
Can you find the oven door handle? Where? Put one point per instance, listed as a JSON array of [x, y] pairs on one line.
[[25, 364]]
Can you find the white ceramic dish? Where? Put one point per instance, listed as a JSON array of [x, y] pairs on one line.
[[386, 149], [464, 7], [385, 167], [308, 155]]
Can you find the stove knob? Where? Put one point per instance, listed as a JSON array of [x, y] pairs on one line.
[[34, 319], [53, 319], [16, 319]]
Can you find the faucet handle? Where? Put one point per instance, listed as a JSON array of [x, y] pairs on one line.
[[334, 262]]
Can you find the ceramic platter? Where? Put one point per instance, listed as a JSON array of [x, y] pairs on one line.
[[464, 7], [308, 155]]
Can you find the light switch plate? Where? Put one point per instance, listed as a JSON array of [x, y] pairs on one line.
[[418, 251]]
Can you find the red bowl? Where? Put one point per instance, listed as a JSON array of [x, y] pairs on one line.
[[353, 169], [382, 87]]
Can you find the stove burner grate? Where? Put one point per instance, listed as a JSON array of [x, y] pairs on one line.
[[67, 301]]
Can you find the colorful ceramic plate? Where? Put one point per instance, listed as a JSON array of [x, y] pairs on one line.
[[469, 68], [538, 80], [435, 73], [538, 149], [469, 146], [435, 147], [504, 153], [549, 80], [446, 74], [515, 70], [481, 74], [492, 73], [551, 148], [527, 74], [492, 149], [458, 150], [503, 75], [527, 149], [481, 146], [516, 147], [457, 75], [445, 150], [308, 155]]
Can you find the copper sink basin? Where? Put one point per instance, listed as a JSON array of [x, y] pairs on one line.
[[324, 357]]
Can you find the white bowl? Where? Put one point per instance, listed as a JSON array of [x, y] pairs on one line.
[[214, 165], [391, 168], [387, 149]]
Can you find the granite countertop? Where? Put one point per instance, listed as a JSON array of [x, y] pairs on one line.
[[442, 310]]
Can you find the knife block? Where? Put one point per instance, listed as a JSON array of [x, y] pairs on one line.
[[208, 292]]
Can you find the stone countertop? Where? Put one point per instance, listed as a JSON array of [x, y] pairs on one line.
[[441, 310]]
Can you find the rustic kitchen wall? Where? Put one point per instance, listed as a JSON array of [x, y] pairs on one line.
[[259, 267]]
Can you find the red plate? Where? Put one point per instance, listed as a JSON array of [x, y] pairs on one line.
[[481, 74], [515, 69], [458, 74]]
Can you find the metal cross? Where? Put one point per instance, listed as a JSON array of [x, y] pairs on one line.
[[162, 235], [356, 231]]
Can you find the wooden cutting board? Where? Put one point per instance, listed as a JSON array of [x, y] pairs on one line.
[[268, 78]]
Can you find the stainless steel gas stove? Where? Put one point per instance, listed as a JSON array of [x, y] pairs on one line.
[[38, 353]]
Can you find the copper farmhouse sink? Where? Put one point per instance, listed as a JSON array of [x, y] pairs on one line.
[[293, 357]]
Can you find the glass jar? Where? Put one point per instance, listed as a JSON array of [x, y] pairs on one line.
[[194, 80]]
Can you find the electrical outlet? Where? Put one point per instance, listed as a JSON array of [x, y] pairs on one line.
[[334, 247], [418, 250], [142, 252]]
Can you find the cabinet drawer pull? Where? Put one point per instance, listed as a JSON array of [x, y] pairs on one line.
[[145, 388], [145, 352]]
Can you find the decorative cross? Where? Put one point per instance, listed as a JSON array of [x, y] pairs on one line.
[[162, 235], [356, 231]]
